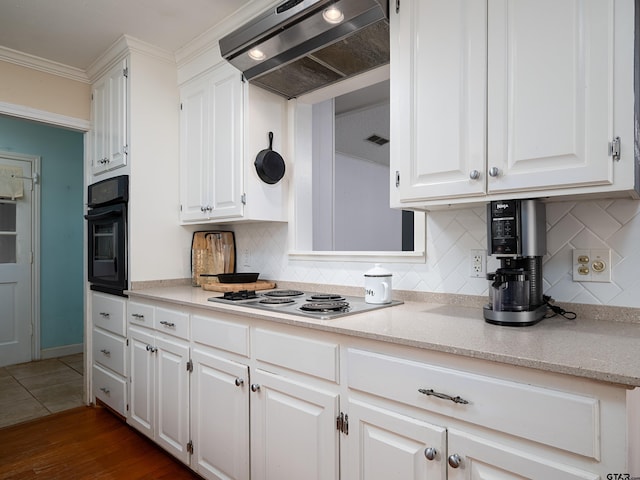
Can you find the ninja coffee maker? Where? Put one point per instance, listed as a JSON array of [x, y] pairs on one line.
[[516, 235]]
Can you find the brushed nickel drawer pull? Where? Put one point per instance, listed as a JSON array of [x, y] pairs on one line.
[[139, 316], [106, 352], [444, 396], [105, 390], [167, 324], [104, 314]]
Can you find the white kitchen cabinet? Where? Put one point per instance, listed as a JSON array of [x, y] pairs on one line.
[[109, 351], [160, 381], [224, 124], [383, 444], [109, 142], [293, 429], [211, 146], [469, 425], [219, 416], [500, 98]]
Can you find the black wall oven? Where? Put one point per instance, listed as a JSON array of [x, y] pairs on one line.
[[107, 235]]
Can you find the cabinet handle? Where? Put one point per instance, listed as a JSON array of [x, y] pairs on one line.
[[444, 396], [494, 172], [106, 352], [454, 460], [151, 349], [474, 174], [105, 390], [255, 387], [239, 382], [430, 453], [167, 324], [139, 316], [209, 208], [104, 314]]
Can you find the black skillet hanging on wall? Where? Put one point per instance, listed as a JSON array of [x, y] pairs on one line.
[[269, 164]]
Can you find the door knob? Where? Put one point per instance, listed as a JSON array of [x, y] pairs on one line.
[[474, 174], [255, 387], [454, 460], [494, 172], [430, 453], [239, 382]]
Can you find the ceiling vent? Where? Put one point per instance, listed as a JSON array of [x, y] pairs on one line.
[[377, 139]]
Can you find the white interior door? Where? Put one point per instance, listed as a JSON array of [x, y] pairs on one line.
[[16, 253]]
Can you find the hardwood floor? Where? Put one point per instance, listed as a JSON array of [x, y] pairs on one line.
[[83, 443]]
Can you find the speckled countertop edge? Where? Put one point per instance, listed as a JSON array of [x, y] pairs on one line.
[[593, 347]]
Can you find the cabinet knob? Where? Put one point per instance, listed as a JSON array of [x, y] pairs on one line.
[[454, 460], [430, 453], [474, 174], [494, 172], [239, 382], [255, 387]]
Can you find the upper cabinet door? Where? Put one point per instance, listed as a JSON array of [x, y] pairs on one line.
[[109, 114], [438, 98], [194, 150], [550, 93]]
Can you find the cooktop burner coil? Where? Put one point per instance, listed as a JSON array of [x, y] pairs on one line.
[[283, 293], [325, 307], [277, 300], [323, 297]]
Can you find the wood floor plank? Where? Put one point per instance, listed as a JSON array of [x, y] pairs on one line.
[[84, 443]]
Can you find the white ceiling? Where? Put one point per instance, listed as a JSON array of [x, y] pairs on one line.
[[76, 32]]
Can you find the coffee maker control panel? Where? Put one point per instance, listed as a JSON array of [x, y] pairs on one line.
[[504, 217]]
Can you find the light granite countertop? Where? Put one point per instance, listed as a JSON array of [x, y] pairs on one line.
[[597, 349]]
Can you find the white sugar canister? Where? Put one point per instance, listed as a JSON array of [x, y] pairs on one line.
[[377, 285]]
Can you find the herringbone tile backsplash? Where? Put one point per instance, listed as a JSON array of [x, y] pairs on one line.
[[613, 224]]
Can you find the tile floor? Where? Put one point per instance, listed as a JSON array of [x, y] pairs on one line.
[[35, 389]]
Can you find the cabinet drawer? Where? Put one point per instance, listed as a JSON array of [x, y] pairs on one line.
[[527, 411], [299, 354], [110, 389], [107, 312], [229, 336], [140, 314], [172, 322], [109, 350]]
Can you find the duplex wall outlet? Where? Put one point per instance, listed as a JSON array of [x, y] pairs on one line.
[[478, 263], [592, 265]]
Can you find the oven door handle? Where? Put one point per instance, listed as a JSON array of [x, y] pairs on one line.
[[103, 215]]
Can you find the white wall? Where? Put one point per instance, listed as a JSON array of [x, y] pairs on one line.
[[451, 234], [362, 217]]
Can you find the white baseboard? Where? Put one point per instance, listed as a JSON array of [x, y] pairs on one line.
[[63, 351]]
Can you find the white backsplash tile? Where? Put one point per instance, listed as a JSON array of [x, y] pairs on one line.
[[613, 224]]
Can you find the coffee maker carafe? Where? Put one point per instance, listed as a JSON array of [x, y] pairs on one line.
[[516, 235]]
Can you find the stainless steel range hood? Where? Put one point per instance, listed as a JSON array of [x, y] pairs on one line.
[[293, 49]]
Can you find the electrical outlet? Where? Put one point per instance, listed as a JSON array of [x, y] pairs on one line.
[[245, 255], [478, 263], [592, 265]]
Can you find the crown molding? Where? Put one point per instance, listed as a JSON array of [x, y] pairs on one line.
[[43, 65], [50, 118], [122, 47]]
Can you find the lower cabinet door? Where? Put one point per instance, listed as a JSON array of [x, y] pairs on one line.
[[293, 429], [142, 371], [172, 400], [383, 444], [219, 417], [475, 458]]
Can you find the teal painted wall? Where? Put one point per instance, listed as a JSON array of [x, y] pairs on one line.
[[61, 155]]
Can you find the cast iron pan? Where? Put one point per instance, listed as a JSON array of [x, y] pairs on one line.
[[234, 277], [269, 164]]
